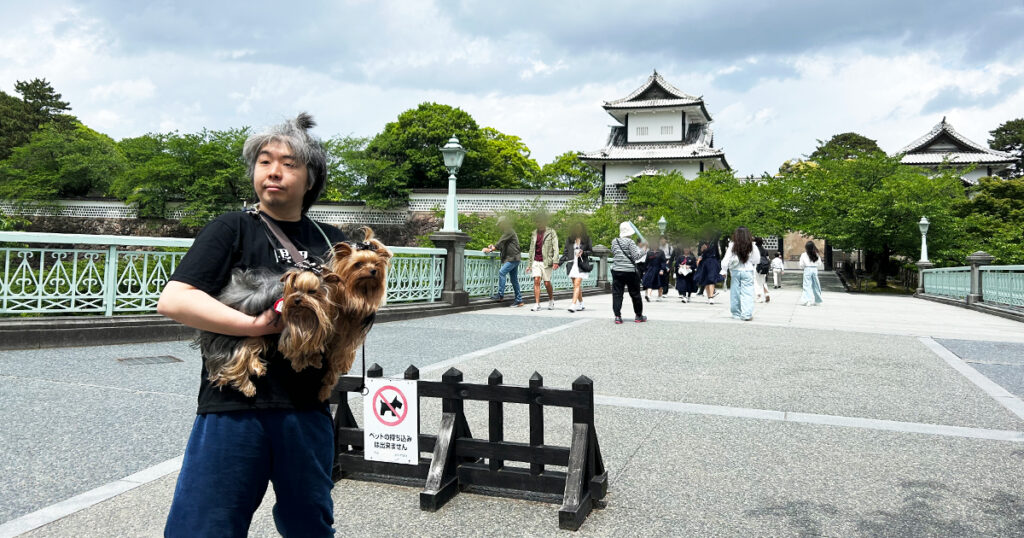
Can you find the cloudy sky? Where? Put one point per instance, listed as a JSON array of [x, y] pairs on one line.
[[775, 75]]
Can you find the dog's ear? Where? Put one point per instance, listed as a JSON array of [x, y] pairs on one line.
[[331, 278], [382, 250], [288, 277], [342, 250]]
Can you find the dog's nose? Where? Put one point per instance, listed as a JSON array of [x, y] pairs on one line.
[[298, 300], [373, 271]]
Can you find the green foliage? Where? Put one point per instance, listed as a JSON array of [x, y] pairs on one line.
[[58, 161], [568, 172], [872, 203], [42, 102], [845, 146], [505, 162], [203, 170], [1009, 137], [344, 173], [992, 220], [20, 118], [713, 202]]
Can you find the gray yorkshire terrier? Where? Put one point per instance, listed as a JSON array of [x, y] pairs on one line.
[[233, 359]]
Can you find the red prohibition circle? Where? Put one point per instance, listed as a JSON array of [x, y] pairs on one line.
[[405, 406]]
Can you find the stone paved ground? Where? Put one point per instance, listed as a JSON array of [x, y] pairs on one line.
[[836, 420]]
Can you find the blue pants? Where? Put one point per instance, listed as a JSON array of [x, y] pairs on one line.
[[741, 295], [232, 456], [510, 269], [812, 286]]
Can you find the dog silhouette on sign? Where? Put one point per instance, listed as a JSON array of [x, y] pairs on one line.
[[396, 404]]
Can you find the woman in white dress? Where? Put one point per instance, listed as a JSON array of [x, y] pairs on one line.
[[576, 260]]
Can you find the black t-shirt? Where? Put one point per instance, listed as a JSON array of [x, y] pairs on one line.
[[240, 240]]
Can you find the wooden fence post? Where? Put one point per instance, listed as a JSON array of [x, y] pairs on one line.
[[536, 420], [496, 421]]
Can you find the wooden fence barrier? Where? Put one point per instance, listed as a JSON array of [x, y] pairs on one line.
[[458, 459]]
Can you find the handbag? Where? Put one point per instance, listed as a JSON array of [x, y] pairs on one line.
[[585, 264], [628, 257], [684, 269]]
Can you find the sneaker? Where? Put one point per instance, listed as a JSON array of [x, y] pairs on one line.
[[572, 307], [618, 320], [551, 305], [648, 297], [658, 299], [497, 298], [711, 301], [516, 304], [580, 307], [535, 308], [767, 298], [640, 319]]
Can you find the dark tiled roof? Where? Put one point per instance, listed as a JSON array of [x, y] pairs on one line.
[[918, 153]]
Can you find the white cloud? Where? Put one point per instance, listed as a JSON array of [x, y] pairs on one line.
[[124, 90]]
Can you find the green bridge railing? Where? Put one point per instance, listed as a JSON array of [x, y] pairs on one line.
[[999, 285], [63, 274]]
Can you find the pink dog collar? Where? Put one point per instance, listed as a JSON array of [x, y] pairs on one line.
[[279, 305]]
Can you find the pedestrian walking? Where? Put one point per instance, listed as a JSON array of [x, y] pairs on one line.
[[510, 255], [708, 270], [576, 261], [761, 270], [778, 269], [625, 274], [641, 263], [543, 250], [655, 272], [283, 433], [809, 261], [686, 267], [739, 260], [670, 259]]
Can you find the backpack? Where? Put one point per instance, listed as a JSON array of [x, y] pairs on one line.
[[764, 265]]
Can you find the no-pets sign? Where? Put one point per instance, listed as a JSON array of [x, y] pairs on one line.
[[391, 421]]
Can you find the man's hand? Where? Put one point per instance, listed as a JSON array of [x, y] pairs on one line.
[[555, 266], [269, 322]]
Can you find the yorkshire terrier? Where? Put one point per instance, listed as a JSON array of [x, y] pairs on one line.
[[308, 311], [233, 360], [302, 299], [362, 271]]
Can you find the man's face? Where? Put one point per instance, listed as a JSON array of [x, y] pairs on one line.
[[279, 179]]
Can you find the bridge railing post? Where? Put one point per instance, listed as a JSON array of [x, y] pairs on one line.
[[976, 260]]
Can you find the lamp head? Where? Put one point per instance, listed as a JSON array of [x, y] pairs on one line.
[[923, 225], [662, 224], [453, 154]]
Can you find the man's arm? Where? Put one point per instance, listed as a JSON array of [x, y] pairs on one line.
[[195, 308]]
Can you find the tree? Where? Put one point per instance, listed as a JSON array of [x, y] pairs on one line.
[[154, 175], [42, 102], [344, 173], [990, 219], [505, 162], [872, 203], [1009, 137], [845, 146], [15, 127], [60, 161], [568, 172], [412, 144], [712, 203]]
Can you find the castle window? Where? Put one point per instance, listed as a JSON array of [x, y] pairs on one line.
[[666, 129], [641, 131]]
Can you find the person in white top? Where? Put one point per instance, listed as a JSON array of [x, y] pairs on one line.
[[740, 259], [778, 268], [809, 261]]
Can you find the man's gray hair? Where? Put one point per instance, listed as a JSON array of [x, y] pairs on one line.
[[306, 148]]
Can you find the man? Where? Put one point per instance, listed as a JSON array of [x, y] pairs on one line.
[[778, 267], [508, 247], [670, 259], [283, 434], [544, 252]]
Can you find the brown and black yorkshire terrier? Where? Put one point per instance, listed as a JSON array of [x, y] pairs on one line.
[[362, 271], [307, 314]]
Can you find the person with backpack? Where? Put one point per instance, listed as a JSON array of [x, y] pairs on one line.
[[625, 274], [761, 270]]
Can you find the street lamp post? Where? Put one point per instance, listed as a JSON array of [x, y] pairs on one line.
[[662, 224], [923, 263], [923, 226], [453, 153]]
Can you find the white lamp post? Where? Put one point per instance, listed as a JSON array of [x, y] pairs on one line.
[[453, 153], [923, 225], [662, 224]]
